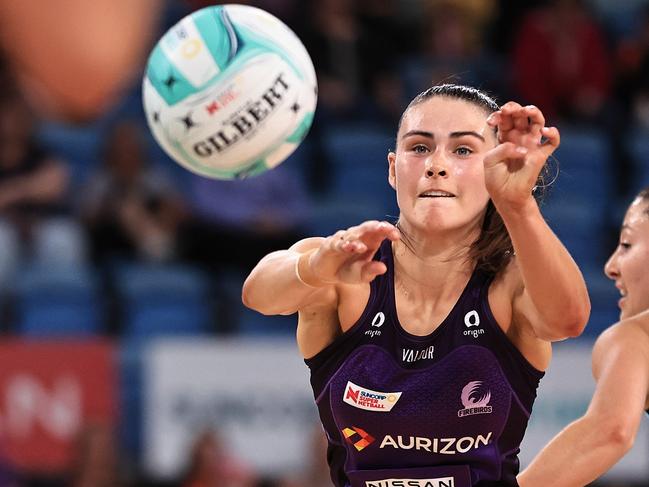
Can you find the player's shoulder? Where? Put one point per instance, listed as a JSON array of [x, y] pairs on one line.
[[627, 336], [624, 344], [634, 330]]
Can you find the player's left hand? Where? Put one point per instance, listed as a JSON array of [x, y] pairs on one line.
[[525, 143]]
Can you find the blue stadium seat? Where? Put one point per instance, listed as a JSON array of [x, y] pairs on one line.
[[603, 299], [359, 188], [163, 300], [331, 214], [579, 200], [252, 323], [584, 178], [58, 302], [244, 320], [357, 156], [79, 146], [419, 73]]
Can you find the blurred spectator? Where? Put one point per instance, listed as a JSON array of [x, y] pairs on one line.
[[389, 39], [561, 62], [353, 61], [316, 472], [355, 46], [237, 222], [505, 23], [633, 73], [455, 28], [332, 38], [96, 462], [211, 466], [130, 208], [453, 47], [283, 9], [35, 221]]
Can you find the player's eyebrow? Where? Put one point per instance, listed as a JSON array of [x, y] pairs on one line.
[[421, 133], [467, 132], [454, 135]]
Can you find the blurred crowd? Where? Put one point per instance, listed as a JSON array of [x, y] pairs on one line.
[[98, 194]]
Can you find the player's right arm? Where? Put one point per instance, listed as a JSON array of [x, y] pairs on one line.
[[592, 444], [274, 287], [310, 272]]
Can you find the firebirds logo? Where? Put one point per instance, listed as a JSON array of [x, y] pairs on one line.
[[475, 399]]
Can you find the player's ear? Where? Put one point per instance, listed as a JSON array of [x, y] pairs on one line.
[[392, 178]]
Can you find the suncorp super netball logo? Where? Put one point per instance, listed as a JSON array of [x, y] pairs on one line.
[[362, 398], [475, 399]]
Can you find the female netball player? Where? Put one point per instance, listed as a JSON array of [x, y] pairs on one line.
[[426, 340], [591, 445]]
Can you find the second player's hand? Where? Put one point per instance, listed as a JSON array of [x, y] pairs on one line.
[[346, 257]]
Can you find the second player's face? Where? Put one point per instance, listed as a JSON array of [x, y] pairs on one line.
[[628, 266], [437, 169]]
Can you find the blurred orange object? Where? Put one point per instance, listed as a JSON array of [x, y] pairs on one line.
[[73, 58]]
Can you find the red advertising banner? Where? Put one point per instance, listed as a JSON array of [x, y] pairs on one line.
[[49, 392]]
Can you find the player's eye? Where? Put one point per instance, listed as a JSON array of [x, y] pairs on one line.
[[463, 151]]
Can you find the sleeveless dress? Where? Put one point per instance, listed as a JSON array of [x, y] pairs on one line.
[[446, 409]]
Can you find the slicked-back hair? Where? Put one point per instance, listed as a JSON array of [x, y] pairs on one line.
[[644, 195]]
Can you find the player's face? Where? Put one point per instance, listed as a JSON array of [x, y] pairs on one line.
[[628, 264], [437, 169]]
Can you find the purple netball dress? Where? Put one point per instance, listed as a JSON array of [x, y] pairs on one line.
[[444, 410]]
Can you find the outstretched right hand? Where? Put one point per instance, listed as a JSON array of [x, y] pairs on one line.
[[346, 256]]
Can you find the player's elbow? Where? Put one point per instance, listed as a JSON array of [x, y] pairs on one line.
[[618, 434], [249, 296], [560, 330], [254, 298], [574, 328], [571, 323], [577, 317]]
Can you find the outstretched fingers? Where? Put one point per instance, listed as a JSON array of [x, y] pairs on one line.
[[363, 238], [552, 140], [535, 119]]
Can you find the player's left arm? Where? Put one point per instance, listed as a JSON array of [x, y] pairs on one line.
[[552, 298], [592, 444]]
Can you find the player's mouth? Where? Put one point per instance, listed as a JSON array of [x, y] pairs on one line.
[[436, 193], [623, 294]]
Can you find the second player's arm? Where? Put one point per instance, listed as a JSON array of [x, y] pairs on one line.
[[592, 444]]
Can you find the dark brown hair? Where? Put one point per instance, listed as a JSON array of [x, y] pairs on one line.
[[493, 249]]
